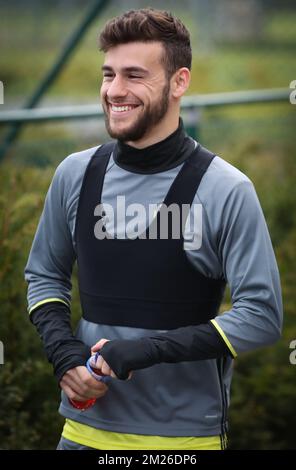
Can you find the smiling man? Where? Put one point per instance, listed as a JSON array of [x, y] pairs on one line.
[[150, 304], [136, 93]]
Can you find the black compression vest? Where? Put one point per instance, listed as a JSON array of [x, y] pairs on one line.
[[142, 283]]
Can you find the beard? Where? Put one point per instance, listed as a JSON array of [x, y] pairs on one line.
[[151, 116]]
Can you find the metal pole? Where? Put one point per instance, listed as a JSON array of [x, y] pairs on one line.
[[189, 104], [56, 69]]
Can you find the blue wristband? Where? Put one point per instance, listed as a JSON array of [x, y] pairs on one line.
[[100, 378]]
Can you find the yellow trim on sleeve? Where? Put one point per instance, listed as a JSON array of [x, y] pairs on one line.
[[226, 340], [109, 440], [45, 301]]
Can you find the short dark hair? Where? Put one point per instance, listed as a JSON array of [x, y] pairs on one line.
[[147, 25]]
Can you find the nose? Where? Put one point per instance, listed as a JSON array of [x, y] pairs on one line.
[[116, 89]]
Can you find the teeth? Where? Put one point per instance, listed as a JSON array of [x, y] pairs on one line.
[[120, 109]]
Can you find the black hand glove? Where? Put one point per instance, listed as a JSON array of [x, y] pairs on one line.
[[124, 355]]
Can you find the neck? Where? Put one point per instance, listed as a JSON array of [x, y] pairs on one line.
[[156, 134], [162, 155]]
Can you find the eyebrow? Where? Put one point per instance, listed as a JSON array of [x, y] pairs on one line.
[[142, 70]]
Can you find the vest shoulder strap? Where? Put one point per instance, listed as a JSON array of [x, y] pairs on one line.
[[186, 183], [91, 187]]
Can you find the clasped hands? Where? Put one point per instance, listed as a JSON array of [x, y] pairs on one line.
[[78, 383]]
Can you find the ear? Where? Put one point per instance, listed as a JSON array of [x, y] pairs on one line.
[[180, 82]]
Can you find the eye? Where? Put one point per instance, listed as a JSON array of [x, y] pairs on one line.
[[108, 75]]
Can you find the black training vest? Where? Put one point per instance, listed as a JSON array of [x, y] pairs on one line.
[[142, 283]]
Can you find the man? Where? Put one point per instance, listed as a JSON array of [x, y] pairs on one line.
[[151, 284]]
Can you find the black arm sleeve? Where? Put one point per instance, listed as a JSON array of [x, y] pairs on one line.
[[191, 343], [62, 349]]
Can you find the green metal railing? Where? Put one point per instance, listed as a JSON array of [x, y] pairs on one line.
[[192, 105], [193, 102]]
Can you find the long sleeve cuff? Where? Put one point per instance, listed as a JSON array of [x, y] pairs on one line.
[[62, 349]]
